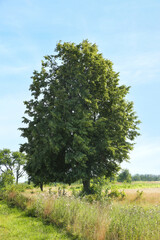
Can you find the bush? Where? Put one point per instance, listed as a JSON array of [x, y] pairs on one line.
[[116, 194]]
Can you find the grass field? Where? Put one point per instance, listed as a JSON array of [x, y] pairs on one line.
[[135, 216], [136, 192], [15, 225], [135, 185]]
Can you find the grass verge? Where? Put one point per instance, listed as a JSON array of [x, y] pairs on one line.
[[15, 225]]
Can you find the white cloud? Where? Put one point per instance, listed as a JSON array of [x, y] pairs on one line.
[[7, 70], [139, 69]]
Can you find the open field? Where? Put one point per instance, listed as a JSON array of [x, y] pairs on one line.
[[136, 192], [139, 192], [148, 196], [15, 225], [136, 185]]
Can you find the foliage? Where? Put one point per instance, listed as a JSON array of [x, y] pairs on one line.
[[12, 162], [6, 178], [79, 123], [117, 194], [98, 184], [139, 195], [125, 176], [21, 187]]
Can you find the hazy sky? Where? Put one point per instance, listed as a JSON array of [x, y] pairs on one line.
[[126, 31]]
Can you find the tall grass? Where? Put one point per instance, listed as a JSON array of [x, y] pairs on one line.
[[135, 222], [96, 221], [81, 219]]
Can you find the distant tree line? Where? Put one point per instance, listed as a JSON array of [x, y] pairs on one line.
[[145, 177], [125, 176]]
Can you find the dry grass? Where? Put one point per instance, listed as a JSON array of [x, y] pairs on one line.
[[149, 196]]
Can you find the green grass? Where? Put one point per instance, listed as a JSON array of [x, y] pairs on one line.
[[78, 217], [77, 187], [14, 225], [135, 185]]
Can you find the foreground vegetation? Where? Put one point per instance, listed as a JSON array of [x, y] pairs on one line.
[[15, 225], [111, 217]]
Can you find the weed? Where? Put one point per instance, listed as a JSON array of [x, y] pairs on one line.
[[139, 195]]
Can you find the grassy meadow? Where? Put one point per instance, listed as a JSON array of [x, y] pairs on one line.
[[121, 211]]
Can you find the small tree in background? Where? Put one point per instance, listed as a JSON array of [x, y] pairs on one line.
[[12, 163], [125, 176], [19, 160], [6, 161]]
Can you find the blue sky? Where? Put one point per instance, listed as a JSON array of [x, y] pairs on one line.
[[127, 32]]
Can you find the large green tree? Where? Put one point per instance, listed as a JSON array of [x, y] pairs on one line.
[[79, 123]]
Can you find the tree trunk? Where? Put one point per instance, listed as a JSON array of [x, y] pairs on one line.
[[86, 185], [29, 181], [41, 186], [16, 179]]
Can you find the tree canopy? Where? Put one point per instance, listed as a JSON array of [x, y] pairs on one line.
[[79, 123]]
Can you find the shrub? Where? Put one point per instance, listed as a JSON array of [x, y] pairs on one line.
[[116, 194], [139, 195]]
